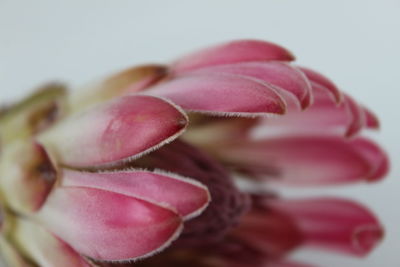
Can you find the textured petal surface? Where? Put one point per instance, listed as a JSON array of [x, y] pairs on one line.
[[221, 94], [334, 224], [108, 226], [280, 74], [308, 160], [45, 249], [232, 52], [123, 128], [188, 197]]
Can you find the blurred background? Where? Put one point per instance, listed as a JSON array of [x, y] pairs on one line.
[[356, 43]]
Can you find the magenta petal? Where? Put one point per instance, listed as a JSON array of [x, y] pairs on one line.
[[188, 197], [374, 154], [221, 94], [308, 160], [334, 224], [357, 115], [372, 120], [323, 81], [120, 129], [268, 232], [108, 226], [280, 74], [232, 52]]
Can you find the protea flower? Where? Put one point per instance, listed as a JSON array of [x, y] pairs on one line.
[[175, 165]]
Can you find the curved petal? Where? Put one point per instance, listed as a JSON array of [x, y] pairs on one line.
[[118, 130], [127, 81], [187, 196], [108, 226], [280, 74], [45, 249], [334, 224], [268, 232], [232, 52], [307, 160], [372, 120], [221, 94], [321, 80], [347, 118]]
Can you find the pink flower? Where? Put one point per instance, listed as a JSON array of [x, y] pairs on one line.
[[175, 165]]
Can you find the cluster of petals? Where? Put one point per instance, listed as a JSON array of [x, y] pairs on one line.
[[136, 169]]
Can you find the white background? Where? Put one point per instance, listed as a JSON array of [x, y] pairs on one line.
[[356, 43]]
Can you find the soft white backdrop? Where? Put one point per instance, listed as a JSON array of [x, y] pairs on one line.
[[355, 42]]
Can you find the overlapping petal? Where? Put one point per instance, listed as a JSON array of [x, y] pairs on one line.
[[280, 74], [307, 160], [123, 128], [232, 52], [221, 94], [120, 228], [334, 224], [187, 196]]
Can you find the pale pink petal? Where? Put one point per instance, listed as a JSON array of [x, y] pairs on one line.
[[44, 248], [326, 83], [232, 52], [117, 130], [221, 94], [307, 160], [333, 224], [280, 74], [187, 196], [108, 226], [347, 118]]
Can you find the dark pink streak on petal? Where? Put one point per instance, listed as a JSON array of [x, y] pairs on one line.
[[334, 224], [185, 195], [108, 226]]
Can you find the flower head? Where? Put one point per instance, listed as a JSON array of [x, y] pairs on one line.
[[175, 165]]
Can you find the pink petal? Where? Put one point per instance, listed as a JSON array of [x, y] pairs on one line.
[[232, 52], [126, 127], [221, 94], [307, 160], [323, 115], [334, 224], [108, 226], [43, 247], [188, 197], [280, 74], [321, 80], [268, 232], [372, 120], [373, 153]]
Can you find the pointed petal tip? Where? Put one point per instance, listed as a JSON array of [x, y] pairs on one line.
[[366, 238], [115, 131], [221, 94], [326, 83]]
